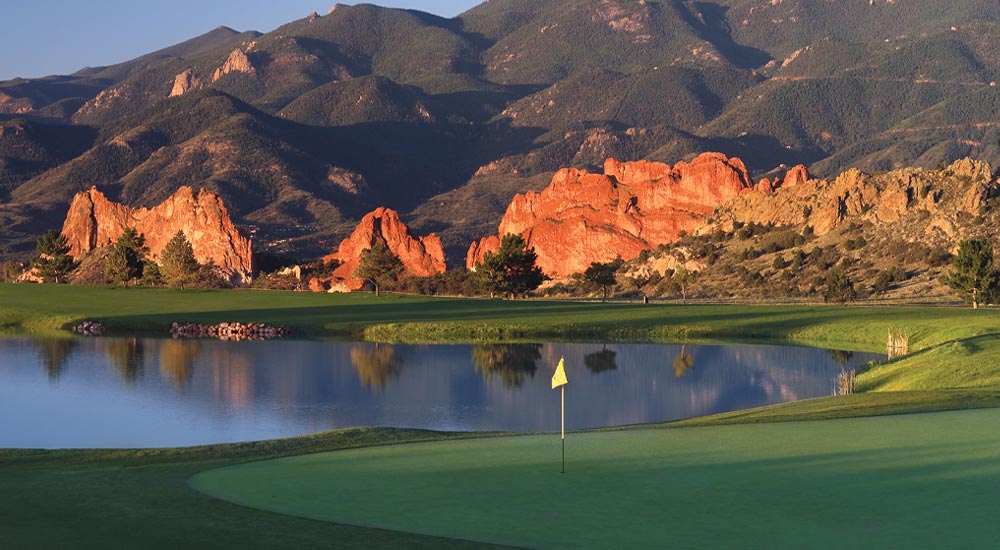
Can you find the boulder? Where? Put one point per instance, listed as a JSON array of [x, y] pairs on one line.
[[94, 221]]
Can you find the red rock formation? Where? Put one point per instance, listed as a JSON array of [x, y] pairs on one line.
[[184, 82], [796, 176], [936, 200], [94, 221], [479, 250], [238, 62], [422, 256], [634, 206]]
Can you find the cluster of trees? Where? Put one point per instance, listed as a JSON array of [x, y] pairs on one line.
[[127, 262], [511, 272]]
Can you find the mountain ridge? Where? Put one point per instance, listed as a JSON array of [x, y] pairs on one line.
[[444, 120]]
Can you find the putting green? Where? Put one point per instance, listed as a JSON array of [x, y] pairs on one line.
[[915, 481]]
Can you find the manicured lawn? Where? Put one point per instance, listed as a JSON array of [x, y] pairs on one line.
[[140, 499], [414, 318], [914, 481]]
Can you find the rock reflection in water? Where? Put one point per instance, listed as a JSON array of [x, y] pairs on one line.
[[513, 364], [126, 355], [375, 364], [53, 353], [177, 358]]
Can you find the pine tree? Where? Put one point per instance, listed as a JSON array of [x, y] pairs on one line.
[[379, 266], [512, 271], [178, 265], [53, 262], [125, 261], [973, 275]]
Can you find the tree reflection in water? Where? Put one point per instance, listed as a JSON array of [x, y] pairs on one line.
[[683, 362], [177, 360], [840, 356], [53, 354], [601, 361], [375, 364], [512, 363], [127, 355]]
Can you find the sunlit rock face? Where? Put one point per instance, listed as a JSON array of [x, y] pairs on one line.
[[633, 206], [94, 221], [421, 256], [184, 82], [914, 201], [238, 62]]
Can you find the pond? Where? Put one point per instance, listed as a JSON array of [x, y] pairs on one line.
[[143, 392]]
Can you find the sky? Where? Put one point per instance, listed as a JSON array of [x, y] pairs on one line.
[[44, 37]]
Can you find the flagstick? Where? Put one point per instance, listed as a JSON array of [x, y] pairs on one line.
[[563, 388]]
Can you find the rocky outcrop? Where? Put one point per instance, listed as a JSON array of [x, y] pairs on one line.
[[238, 62], [633, 206], [94, 222], [184, 82], [15, 105], [938, 198], [421, 256]]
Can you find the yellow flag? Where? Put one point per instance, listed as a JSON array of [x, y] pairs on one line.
[[559, 378]]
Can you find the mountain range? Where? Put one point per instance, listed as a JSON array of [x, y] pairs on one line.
[[306, 128]]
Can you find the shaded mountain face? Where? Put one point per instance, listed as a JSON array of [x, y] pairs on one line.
[[304, 129]]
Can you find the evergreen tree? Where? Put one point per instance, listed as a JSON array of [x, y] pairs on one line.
[[512, 270], [178, 265], [839, 288], [53, 263], [379, 266], [125, 261], [603, 275], [973, 275]]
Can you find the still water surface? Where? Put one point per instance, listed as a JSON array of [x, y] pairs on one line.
[[130, 392]]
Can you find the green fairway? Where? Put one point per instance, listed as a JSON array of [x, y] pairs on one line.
[[916, 481], [140, 499]]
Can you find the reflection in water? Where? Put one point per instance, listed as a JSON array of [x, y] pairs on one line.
[[840, 356], [231, 369], [375, 364], [512, 363], [601, 361], [683, 362], [263, 390], [177, 359], [53, 354], [127, 355]]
